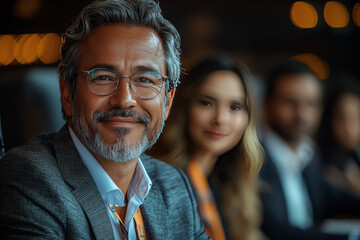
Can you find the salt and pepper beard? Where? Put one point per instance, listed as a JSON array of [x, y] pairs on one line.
[[121, 150]]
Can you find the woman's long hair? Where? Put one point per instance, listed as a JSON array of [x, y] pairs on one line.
[[236, 172]]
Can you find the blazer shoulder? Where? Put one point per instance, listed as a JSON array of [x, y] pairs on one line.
[[38, 148], [171, 180], [161, 171], [31, 179], [172, 190], [33, 161]]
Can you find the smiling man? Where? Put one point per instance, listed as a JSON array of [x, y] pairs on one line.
[[119, 69]]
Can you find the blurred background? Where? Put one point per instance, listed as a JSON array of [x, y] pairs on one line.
[[324, 34]]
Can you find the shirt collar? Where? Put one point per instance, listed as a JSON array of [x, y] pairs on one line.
[[285, 157], [140, 183]]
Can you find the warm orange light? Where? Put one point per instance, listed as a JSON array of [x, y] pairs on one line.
[[7, 49], [30, 48], [303, 15], [49, 48], [315, 63], [356, 14], [336, 15], [20, 42], [27, 8]]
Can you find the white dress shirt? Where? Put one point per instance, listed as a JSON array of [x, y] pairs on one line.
[[139, 187], [290, 164]]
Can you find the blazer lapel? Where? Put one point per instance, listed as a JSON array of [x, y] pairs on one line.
[[93, 205], [273, 190], [154, 214], [85, 190], [153, 209]]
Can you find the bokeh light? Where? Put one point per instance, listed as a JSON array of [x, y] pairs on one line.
[[356, 14], [317, 64], [7, 49], [303, 15], [30, 48], [49, 48], [25, 9], [20, 42], [336, 15]]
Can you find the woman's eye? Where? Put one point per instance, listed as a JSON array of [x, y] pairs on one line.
[[205, 103], [236, 107]]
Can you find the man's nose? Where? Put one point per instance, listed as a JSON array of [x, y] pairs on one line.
[[123, 96]]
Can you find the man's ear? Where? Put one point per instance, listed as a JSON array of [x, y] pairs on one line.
[[170, 98], [66, 96]]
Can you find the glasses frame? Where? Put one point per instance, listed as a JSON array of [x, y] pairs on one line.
[[164, 79]]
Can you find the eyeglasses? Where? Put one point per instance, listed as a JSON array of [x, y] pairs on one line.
[[144, 84]]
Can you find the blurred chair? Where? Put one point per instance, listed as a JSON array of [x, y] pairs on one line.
[[29, 103], [2, 146]]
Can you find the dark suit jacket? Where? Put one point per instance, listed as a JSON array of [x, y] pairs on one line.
[[327, 201], [48, 193]]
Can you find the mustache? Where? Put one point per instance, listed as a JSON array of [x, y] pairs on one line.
[[116, 112], [299, 122]]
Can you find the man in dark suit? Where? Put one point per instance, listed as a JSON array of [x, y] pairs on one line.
[[296, 199], [119, 69]]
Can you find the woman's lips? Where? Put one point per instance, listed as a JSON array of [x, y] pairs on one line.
[[215, 134]]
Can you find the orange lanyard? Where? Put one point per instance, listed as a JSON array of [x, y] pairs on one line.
[[139, 223], [207, 206]]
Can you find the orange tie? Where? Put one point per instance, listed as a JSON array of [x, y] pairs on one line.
[[208, 210]]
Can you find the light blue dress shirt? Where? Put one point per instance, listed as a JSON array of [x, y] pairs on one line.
[[139, 187], [290, 163]]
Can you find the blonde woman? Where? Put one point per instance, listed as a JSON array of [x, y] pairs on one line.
[[211, 134]]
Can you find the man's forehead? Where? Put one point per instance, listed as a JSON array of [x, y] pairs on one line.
[[128, 31], [298, 81], [118, 44]]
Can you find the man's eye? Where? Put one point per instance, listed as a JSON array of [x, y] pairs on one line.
[[143, 80], [103, 79]]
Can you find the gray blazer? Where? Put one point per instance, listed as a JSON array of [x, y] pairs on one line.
[[46, 192]]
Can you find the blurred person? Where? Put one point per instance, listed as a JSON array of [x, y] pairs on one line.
[[211, 133], [119, 69], [339, 136], [297, 199]]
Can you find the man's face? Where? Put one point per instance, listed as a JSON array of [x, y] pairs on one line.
[[119, 126], [293, 110]]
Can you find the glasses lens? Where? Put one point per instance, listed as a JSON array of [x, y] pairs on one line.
[[146, 84], [102, 81]]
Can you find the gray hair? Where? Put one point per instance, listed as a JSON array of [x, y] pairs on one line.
[[145, 13]]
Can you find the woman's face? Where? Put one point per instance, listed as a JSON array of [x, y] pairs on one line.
[[346, 121], [218, 115]]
